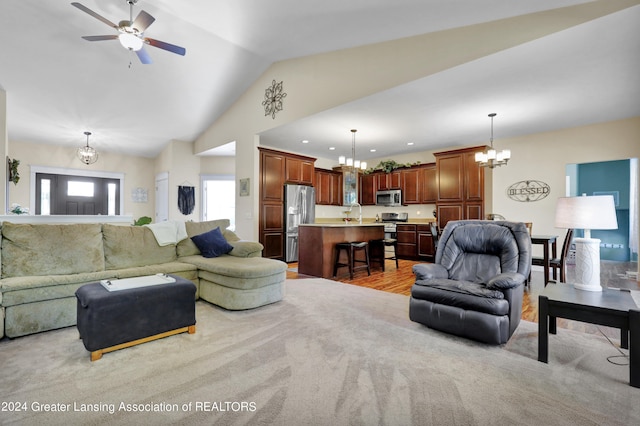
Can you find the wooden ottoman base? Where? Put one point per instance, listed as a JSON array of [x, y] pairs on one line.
[[96, 355], [112, 320]]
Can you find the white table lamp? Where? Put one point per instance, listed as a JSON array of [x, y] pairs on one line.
[[593, 212]]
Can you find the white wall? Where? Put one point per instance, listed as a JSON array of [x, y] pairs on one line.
[[319, 82], [4, 151], [138, 172], [544, 157], [541, 156], [183, 167], [211, 165]]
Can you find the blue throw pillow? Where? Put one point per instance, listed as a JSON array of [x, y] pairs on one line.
[[212, 243]]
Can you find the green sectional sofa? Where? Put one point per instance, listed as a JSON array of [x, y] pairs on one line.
[[43, 265]]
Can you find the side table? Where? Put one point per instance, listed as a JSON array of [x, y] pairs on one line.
[[612, 307]]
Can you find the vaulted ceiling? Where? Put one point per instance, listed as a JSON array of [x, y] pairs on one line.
[[59, 85]]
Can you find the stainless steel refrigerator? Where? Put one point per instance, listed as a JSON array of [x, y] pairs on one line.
[[299, 207]]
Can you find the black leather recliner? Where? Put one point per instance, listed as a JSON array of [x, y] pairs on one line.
[[475, 287]]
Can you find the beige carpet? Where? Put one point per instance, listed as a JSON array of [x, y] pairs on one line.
[[329, 354]]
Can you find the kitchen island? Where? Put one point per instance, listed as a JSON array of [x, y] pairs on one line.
[[317, 241]]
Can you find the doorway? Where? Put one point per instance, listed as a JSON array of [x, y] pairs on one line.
[[219, 198], [162, 197], [617, 178], [76, 195], [113, 207]]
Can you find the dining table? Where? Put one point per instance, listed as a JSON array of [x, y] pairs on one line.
[[548, 242]]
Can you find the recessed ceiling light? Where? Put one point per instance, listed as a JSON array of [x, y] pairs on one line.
[[305, 141], [332, 148], [372, 150], [409, 143]]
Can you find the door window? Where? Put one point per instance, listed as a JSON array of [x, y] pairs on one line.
[[219, 198]]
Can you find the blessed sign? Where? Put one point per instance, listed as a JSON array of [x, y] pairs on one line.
[[528, 190]]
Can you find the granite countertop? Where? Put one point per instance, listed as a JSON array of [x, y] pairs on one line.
[[342, 225], [369, 221]]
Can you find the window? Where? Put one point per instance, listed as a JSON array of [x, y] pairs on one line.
[[45, 197], [111, 198], [79, 189], [219, 198]]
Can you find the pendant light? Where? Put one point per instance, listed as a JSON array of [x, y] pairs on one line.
[[492, 158], [352, 162], [87, 154]]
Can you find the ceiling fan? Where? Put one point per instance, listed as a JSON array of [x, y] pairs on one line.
[[131, 33]]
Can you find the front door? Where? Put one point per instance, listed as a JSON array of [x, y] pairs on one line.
[[76, 195]]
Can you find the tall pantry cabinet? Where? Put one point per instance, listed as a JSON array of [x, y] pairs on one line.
[[276, 169], [460, 184]]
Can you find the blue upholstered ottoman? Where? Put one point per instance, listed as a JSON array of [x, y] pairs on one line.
[[112, 320]]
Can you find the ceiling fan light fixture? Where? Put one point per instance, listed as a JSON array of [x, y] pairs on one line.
[[130, 41], [130, 33]]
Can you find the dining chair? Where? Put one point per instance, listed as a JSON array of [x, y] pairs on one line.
[[559, 263]]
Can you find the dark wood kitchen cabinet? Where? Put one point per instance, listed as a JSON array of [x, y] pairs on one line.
[[411, 185], [460, 185], [328, 186], [418, 184], [271, 176], [368, 188], [428, 187], [391, 180], [276, 169], [298, 170], [407, 241], [425, 243]]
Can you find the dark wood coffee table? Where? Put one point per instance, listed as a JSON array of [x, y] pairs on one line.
[[611, 307]]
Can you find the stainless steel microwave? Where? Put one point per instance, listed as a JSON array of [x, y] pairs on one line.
[[389, 198]]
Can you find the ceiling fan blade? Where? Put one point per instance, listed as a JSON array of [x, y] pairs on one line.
[[143, 55], [100, 38], [142, 21], [94, 14], [166, 46]]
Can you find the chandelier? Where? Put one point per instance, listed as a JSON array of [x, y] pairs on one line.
[[352, 162], [86, 154], [492, 158]]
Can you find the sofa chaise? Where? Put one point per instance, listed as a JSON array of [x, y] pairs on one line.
[[43, 265]]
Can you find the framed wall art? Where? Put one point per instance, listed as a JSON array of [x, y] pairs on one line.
[[244, 187]]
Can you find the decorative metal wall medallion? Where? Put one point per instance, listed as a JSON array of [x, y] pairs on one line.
[[273, 96], [528, 190]]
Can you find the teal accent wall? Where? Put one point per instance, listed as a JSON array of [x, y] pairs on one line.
[[609, 176]]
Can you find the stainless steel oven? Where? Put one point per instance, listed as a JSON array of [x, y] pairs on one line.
[[390, 220]]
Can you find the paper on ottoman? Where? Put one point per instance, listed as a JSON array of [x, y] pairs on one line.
[[136, 282]]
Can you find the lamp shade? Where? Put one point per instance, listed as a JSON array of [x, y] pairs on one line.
[[592, 212]]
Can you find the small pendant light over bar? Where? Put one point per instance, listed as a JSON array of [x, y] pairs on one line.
[[86, 154], [492, 158], [352, 162]]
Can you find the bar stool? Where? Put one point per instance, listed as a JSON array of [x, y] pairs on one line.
[[379, 252], [351, 248]]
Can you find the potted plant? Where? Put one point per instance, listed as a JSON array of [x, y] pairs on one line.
[[387, 166]]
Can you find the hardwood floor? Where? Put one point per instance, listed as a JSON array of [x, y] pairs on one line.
[[400, 281]]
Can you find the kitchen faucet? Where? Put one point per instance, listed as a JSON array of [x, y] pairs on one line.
[[355, 203]]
